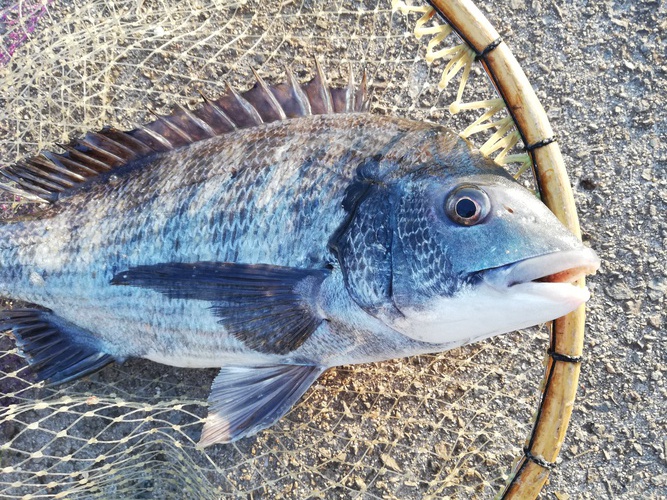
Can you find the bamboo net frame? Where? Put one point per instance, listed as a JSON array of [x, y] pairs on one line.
[[563, 360]]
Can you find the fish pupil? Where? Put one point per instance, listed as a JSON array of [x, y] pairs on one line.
[[466, 208]]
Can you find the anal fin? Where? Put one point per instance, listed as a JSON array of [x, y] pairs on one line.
[[56, 350], [246, 400]]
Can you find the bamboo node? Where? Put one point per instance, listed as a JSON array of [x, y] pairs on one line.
[[540, 144], [539, 460], [556, 356], [489, 48]]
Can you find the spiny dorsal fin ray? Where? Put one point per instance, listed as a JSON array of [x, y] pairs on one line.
[[264, 101], [45, 176], [318, 93], [214, 116], [291, 96], [239, 108]]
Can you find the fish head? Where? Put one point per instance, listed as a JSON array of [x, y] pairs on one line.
[[469, 254]]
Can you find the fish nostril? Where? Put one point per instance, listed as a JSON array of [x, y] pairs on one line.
[[508, 209]]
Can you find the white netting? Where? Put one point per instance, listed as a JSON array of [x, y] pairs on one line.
[[427, 426]]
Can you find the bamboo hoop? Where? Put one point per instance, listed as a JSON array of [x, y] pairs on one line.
[[543, 445]]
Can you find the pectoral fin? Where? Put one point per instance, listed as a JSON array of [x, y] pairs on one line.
[[246, 400], [269, 308]]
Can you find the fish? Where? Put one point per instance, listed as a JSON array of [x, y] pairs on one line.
[[274, 234]]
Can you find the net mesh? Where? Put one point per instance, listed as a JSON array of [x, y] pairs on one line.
[[428, 426]]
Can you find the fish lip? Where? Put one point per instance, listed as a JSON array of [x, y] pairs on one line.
[[562, 267]]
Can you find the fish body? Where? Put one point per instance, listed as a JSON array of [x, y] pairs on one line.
[[306, 235]]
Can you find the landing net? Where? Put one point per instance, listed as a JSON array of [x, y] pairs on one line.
[[447, 425]]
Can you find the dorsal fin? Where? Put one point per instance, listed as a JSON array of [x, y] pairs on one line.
[[43, 177]]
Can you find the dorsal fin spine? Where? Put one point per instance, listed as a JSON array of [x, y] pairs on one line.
[[89, 154], [138, 147], [324, 88], [66, 161], [196, 120], [28, 191], [45, 176], [95, 163], [297, 103], [298, 93], [113, 159], [126, 152], [171, 125], [270, 98], [219, 112], [349, 92], [362, 99], [249, 109], [40, 171], [26, 174], [47, 159], [156, 136]]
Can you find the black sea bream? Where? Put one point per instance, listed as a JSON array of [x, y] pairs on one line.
[[275, 234]]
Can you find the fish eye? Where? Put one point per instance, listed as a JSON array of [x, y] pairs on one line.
[[467, 205]]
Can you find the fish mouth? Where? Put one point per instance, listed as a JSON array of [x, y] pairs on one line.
[[553, 275], [559, 267]]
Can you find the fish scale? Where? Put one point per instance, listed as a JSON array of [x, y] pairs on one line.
[[274, 233], [415, 233]]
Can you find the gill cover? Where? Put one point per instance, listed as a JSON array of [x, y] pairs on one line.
[[363, 242]]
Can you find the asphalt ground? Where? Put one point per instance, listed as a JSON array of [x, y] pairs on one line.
[[600, 69]]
